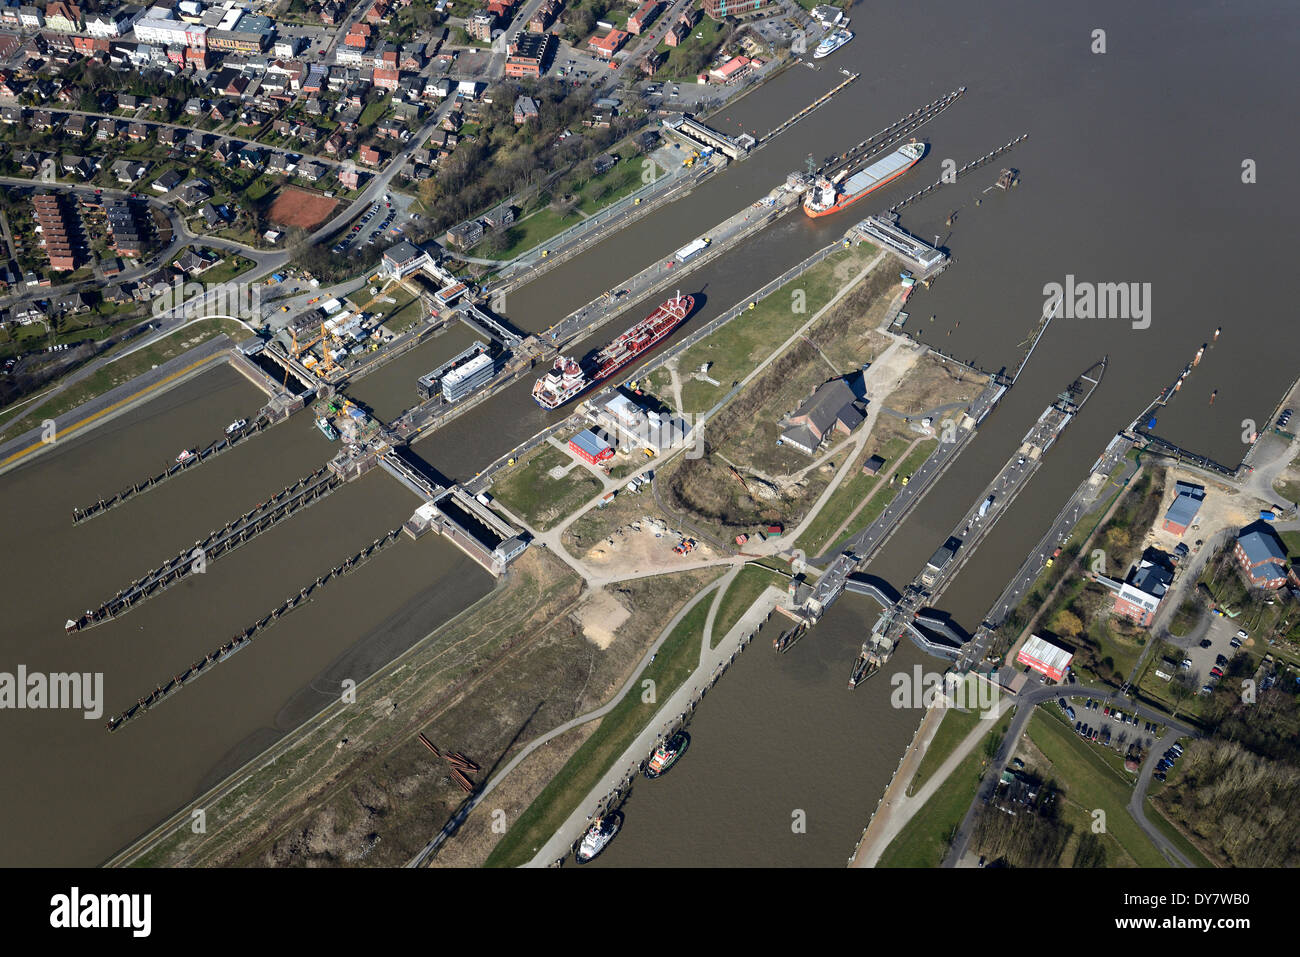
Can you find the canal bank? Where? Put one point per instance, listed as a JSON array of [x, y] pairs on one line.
[[252, 698]]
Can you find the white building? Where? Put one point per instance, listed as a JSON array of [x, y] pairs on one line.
[[170, 32], [106, 26]]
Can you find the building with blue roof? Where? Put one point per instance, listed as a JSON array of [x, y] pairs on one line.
[[1263, 557], [1182, 512]]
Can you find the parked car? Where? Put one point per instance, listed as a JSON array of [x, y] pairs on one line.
[[1242, 635], [1205, 642]]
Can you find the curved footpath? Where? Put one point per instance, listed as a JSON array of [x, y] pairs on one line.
[[679, 703]]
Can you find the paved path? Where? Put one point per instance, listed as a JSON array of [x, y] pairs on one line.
[[897, 807], [562, 847], [1025, 704], [675, 707]]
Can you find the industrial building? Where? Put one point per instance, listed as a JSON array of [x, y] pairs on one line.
[[1049, 660], [402, 259], [1140, 595], [460, 375], [637, 428], [590, 447], [528, 55], [1182, 512]]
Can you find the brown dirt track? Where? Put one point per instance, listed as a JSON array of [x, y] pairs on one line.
[[297, 207]]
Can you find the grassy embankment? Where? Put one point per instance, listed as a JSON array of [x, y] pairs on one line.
[[1093, 779], [924, 840], [676, 659], [751, 582], [116, 373]]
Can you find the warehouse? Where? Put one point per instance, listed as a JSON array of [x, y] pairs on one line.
[[590, 447], [1044, 657]]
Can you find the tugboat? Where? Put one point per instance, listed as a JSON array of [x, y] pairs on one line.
[[598, 836], [666, 754], [185, 456]]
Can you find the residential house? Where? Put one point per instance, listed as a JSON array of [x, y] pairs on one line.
[[167, 182], [129, 171], [525, 110]]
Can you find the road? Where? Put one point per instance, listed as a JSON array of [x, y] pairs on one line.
[[1081, 504], [1026, 702], [866, 542]]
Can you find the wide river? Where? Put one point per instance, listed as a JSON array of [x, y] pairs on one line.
[[1132, 174]]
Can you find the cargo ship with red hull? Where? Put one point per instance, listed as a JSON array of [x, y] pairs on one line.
[[569, 378], [828, 196]]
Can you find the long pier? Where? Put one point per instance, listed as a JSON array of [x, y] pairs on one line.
[[972, 165], [807, 110], [242, 640], [223, 444], [886, 136], [193, 560]]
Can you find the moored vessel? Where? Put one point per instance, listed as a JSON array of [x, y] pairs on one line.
[[235, 426], [828, 196], [569, 378], [832, 43], [185, 456], [666, 754], [327, 430], [598, 836]]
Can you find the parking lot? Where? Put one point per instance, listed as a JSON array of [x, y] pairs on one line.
[[1109, 725], [1210, 647], [380, 225]]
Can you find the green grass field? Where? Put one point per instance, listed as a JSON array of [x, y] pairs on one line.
[[751, 582], [738, 347], [538, 499], [846, 498], [952, 731], [924, 840], [1093, 783]]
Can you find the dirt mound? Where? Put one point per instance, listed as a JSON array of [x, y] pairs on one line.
[[297, 207]]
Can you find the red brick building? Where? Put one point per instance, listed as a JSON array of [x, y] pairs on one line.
[[56, 232], [590, 447], [644, 16]]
